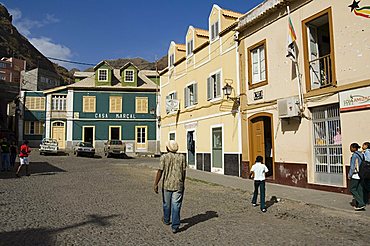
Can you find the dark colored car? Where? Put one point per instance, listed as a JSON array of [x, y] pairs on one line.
[[84, 148], [114, 147]]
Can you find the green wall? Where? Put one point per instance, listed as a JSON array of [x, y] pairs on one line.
[[123, 77], [100, 83]]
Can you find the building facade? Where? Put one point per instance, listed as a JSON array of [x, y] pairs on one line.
[[111, 104], [194, 111], [39, 79], [301, 117]]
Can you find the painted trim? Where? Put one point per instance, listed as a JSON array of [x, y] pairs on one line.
[[195, 151], [250, 142], [221, 84], [197, 119], [64, 131], [120, 132], [83, 134], [217, 170], [133, 75], [93, 119], [146, 138], [327, 11], [103, 69], [70, 98], [250, 71]]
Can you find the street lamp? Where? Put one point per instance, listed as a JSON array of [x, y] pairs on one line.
[[227, 89]]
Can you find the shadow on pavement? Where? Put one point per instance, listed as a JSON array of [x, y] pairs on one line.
[[47, 236], [35, 168], [122, 156], [271, 202], [198, 219]]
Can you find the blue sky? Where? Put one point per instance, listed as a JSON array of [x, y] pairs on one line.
[[90, 31]]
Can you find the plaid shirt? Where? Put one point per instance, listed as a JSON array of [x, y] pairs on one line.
[[173, 166]]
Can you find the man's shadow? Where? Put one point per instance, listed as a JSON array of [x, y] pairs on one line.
[[272, 201], [198, 219]]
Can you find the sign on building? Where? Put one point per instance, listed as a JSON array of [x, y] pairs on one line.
[[354, 99]]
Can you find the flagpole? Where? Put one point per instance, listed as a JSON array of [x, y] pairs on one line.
[[300, 93]]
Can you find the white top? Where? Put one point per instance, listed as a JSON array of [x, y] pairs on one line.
[[259, 170]]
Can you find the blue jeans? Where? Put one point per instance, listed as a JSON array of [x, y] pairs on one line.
[[261, 185], [5, 160], [172, 201]]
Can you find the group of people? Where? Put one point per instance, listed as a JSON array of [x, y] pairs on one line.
[[9, 155], [359, 186]]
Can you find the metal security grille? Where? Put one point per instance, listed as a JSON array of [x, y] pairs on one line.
[[327, 140]]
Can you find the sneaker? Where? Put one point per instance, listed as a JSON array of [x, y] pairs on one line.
[[166, 223], [359, 208], [264, 210], [254, 205], [17, 175], [174, 231]]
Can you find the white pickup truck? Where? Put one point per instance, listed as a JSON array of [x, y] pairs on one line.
[[48, 146]]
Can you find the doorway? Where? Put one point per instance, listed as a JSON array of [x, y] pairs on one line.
[[191, 147], [261, 141], [88, 134], [114, 133], [58, 133], [217, 155], [141, 138]]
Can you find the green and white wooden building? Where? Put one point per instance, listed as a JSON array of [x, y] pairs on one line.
[[111, 103]]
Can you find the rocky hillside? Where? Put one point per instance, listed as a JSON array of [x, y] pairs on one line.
[[14, 44]]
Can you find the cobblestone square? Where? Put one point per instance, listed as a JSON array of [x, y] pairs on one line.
[[71, 200]]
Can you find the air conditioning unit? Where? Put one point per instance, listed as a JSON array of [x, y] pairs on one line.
[[288, 107]]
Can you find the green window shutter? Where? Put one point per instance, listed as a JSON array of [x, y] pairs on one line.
[[167, 108], [218, 85], [195, 92], [209, 89]]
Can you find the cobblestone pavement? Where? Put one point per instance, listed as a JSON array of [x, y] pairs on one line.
[[82, 201]]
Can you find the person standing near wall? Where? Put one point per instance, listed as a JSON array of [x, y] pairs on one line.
[[5, 155], [13, 154], [173, 169], [355, 185], [366, 182]]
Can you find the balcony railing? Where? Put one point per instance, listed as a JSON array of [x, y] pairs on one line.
[[321, 72]]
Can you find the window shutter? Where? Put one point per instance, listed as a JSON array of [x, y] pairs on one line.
[[145, 105], [218, 85], [175, 95], [209, 89], [216, 29], [212, 32], [195, 92], [27, 127], [167, 108], [186, 97]]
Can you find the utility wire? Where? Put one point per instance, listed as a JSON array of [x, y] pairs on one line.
[[73, 62]]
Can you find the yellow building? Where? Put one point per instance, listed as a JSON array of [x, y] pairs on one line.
[[303, 125], [194, 110]]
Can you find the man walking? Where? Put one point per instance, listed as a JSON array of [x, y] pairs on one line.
[[23, 158], [173, 169]]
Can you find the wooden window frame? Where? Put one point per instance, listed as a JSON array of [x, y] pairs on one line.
[[115, 110], [327, 11], [31, 103], [250, 71], [101, 80], [140, 110], [88, 110], [133, 75], [40, 128]]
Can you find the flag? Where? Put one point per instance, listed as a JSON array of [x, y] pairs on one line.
[[291, 50]]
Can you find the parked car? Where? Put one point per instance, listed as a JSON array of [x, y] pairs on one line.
[[48, 146], [114, 147], [84, 148]]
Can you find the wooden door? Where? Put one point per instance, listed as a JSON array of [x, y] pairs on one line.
[[141, 138], [59, 134], [257, 139]]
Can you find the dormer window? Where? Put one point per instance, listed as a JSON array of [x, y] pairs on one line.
[[189, 47], [129, 75], [215, 30], [103, 74], [172, 60]]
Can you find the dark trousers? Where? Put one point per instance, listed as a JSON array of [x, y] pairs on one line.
[[262, 186], [355, 186], [366, 188]]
